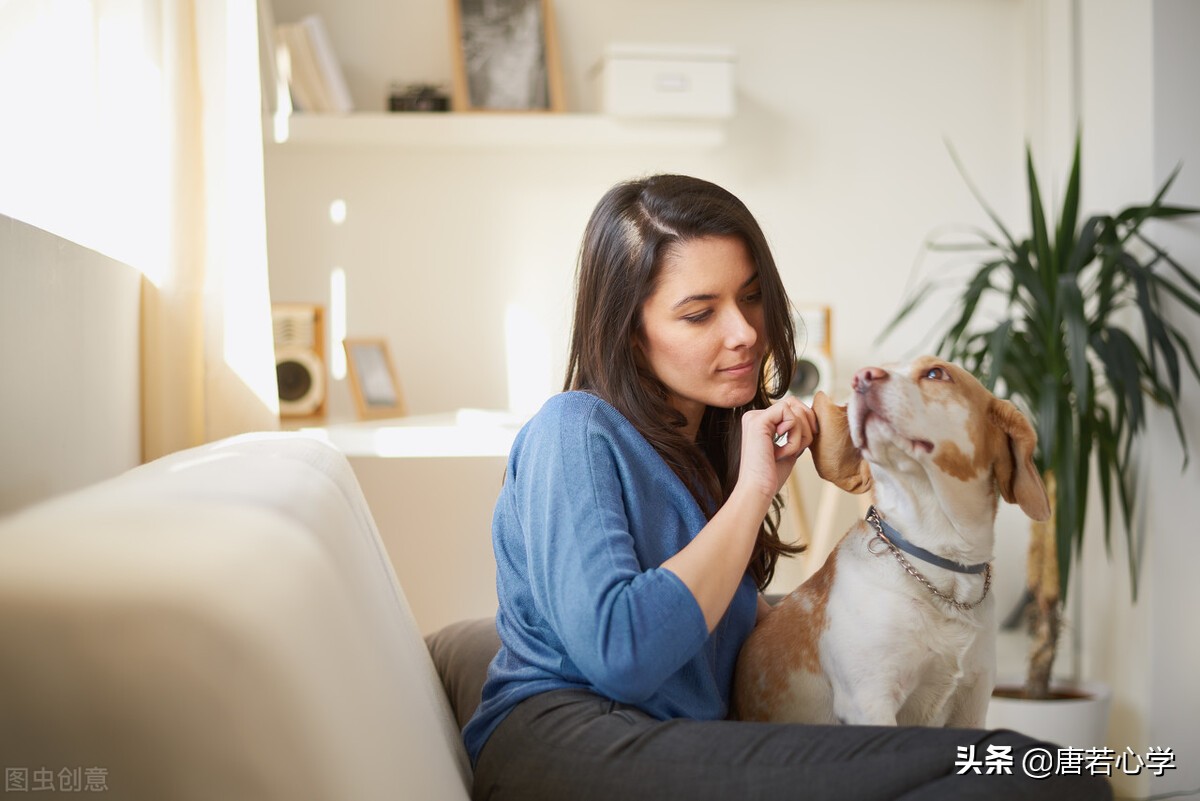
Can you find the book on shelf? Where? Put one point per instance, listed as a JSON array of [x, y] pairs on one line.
[[313, 73]]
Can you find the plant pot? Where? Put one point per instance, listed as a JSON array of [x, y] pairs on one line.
[[1075, 715]]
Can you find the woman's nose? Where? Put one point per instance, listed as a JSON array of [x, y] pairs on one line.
[[740, 332]]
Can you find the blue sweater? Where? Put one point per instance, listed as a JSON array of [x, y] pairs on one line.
[[588, 512]]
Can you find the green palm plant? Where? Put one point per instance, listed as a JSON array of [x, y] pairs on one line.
[[1063, 348]]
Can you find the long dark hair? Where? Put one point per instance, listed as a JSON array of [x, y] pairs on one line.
[[633, 228]]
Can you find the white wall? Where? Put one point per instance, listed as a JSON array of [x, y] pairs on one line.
[[837, 147], [1141, 119], [1174, 697], [69, 359]]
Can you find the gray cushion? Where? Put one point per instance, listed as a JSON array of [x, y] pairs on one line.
[[461, 653]]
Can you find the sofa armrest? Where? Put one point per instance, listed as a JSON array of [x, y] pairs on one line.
[[220, 623]]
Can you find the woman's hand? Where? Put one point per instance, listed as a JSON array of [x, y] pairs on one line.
[[713, 564], [772, 440]]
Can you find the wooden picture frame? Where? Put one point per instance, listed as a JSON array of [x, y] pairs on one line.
[[373, 379], [505, 56]]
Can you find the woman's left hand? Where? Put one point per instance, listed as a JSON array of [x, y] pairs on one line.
[[713, 564], [772, 440]]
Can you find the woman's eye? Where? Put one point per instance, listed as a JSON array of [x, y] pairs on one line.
[[699, 317], [753, 297]]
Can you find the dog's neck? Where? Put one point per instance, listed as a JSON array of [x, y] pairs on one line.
[[957, 523]]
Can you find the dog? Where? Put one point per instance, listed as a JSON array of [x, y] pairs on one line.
[[897, 627]]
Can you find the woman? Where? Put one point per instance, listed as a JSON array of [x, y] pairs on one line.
[[637, 525]]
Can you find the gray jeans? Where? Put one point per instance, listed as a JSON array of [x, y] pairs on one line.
[[571, 745]]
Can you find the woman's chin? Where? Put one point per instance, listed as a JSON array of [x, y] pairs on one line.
[[733, 400]]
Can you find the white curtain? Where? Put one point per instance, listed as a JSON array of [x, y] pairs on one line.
[[216, 281], [134, 127]]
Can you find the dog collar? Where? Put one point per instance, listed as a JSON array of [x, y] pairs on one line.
[[893, 536]]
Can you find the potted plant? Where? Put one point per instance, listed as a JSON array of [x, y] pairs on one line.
[[1047, 321]]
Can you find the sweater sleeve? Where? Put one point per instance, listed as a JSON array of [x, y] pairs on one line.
[[625, 626]]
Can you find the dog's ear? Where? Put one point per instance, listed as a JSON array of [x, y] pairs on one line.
[[834, 454], [1016, 474]]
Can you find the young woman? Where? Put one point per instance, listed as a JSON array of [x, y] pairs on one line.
[[638, 524]]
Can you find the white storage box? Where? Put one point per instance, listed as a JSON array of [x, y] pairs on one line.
[[667, 81]]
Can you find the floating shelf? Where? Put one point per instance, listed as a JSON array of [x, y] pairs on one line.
[[491, 130]]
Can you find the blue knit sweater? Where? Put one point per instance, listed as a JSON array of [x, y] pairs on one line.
[[588, 512]]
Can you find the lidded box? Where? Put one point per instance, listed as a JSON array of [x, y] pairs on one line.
[[667, 81]]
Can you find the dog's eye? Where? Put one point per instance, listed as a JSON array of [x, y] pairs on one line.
[[936, 374]]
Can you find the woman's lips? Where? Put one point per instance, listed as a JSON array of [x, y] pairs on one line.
[[738, 369]]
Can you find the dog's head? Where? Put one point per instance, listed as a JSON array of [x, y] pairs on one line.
[[932, 416]]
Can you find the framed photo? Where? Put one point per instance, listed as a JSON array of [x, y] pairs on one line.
[[372, 379], [505, 56]]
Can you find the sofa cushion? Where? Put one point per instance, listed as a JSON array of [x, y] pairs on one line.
[[461, 653], [221, 623]]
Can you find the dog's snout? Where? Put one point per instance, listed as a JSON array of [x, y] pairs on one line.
[[867, 376]]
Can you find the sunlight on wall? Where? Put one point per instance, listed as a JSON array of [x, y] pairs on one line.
[[337, 323], [337, 211], [527, 352], [337, 302]]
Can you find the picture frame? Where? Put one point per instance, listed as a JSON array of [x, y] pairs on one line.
[[373, 380], [505, 56]]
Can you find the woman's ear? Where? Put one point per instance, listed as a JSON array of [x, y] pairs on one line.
[[833, 451], [637, 349]]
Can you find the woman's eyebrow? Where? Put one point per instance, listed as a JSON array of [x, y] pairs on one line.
[[704, 297]]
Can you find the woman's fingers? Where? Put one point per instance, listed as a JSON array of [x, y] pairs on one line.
[[790, 424], [798, 423], [772, 440]]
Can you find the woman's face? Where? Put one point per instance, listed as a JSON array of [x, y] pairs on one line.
[[702, 332]]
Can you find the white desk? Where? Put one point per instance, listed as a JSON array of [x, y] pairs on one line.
[[464, 433]]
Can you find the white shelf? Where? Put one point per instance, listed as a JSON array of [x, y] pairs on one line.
[[492, 130], [474, 433]]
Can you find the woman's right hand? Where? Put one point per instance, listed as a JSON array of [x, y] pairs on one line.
[[766, 462]]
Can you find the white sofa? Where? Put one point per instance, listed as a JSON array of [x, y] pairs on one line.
[[224, 624]]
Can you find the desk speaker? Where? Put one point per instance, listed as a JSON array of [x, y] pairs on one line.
[[299, 358], [814, 348]]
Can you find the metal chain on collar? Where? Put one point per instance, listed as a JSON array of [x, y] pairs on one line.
[[873, 519]]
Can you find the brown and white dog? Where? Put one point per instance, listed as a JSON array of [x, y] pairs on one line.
[[864, 640]]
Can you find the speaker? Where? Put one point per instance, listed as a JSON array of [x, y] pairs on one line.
[[814, 352], [299, 358]]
